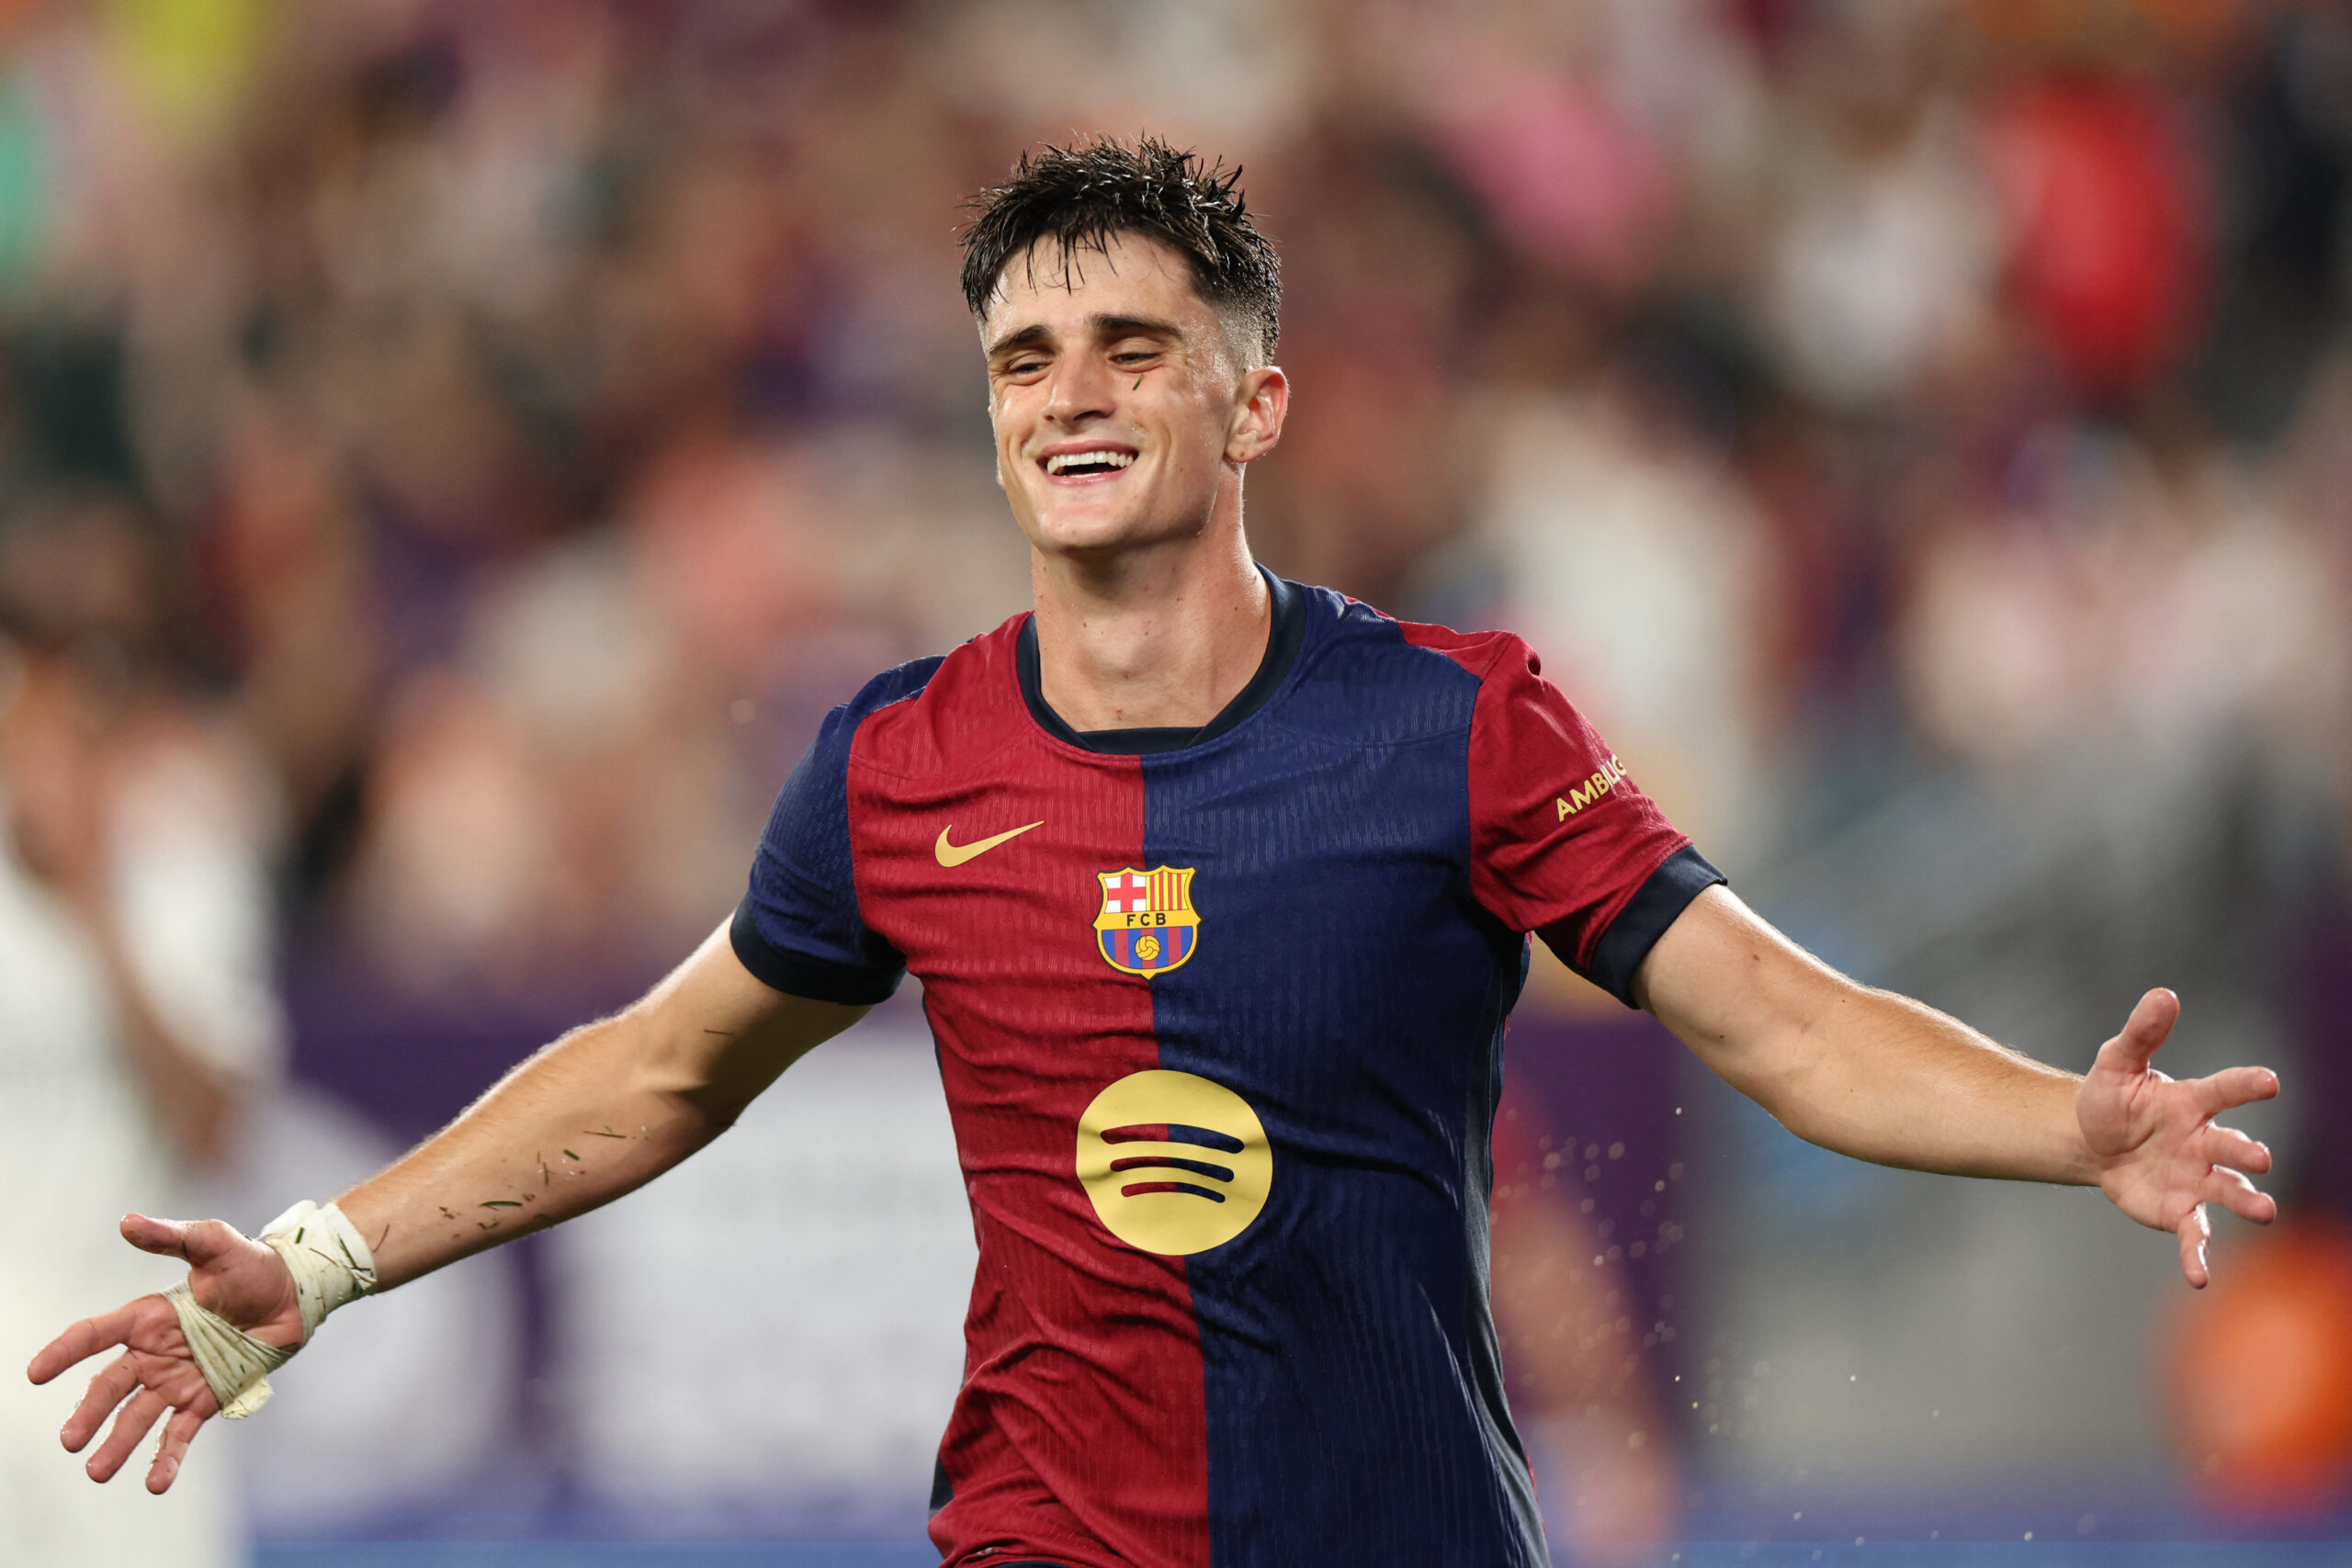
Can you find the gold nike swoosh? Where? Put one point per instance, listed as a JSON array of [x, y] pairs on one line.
[[956, 854]]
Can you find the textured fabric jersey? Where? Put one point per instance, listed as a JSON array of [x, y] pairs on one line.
[[1220, 1017]]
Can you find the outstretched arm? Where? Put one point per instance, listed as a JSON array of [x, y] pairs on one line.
[[1882, 1077], [598, 1113]]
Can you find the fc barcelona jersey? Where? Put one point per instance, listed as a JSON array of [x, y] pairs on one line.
[[1219, 1015]]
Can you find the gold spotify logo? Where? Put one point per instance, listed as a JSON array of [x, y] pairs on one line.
[[1174, 1163]]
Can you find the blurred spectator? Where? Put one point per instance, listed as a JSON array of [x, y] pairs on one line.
[[137, 1016], [1882, 259], [2157, 600], [1637, 565], [2260, 1377], [2111, 236]]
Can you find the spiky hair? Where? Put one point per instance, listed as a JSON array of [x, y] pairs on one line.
[[1080, 196]]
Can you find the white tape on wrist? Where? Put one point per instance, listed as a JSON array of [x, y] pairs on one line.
[[332, 1264], [236, 1365], [331, 1261]]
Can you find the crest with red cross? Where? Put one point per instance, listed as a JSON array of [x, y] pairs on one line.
[[1147, 925]]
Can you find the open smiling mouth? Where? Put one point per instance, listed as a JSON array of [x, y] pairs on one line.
[[1096, 463]]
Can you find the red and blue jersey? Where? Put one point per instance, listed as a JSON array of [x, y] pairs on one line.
[[1219, 1015]]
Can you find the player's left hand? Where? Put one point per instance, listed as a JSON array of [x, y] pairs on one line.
[[2161, 1158]]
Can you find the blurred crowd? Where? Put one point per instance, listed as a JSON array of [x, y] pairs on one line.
[[531, 415], [476, 443]]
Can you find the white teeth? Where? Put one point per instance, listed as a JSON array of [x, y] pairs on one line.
[[1104, 457]]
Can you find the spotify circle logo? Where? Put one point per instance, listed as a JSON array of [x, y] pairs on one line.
[[1174, 1163]]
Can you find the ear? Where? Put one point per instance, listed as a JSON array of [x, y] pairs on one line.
[[1261, 404]]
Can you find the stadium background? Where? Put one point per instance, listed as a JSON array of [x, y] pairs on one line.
[[1920, 435]]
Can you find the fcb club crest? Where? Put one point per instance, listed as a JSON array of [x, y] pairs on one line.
[[1147, 925]]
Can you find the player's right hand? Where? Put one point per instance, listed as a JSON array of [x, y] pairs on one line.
[[242, 1280]]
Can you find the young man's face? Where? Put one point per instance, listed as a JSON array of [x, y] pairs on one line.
[[1120, 407]]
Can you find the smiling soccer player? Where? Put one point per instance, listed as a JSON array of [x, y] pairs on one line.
[[1219, 888]]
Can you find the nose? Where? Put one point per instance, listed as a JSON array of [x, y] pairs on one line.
[[1081, 391]]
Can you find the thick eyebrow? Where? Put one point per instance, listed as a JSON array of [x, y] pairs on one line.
[[1026, 337], [1098, 326], [1134, 326]]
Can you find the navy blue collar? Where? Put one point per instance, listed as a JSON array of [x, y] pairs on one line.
[[1282, 651]]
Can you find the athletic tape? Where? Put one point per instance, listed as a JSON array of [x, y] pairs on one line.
[[332, 1265], [236, 1365], [331, 1261]]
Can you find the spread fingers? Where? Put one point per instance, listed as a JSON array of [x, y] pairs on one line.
[[129, 1428], [108, 1389], [2193, 1231], [2239, 1196], [2233, 1086], [178, 1432], [2228, 1147], [81, 1341]]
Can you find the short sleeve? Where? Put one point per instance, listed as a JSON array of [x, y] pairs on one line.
[[798, 928], [1563, 843]]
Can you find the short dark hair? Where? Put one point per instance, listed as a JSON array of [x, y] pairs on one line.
[[1081, 196]]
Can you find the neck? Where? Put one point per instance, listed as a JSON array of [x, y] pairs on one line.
[[1158, 638]]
